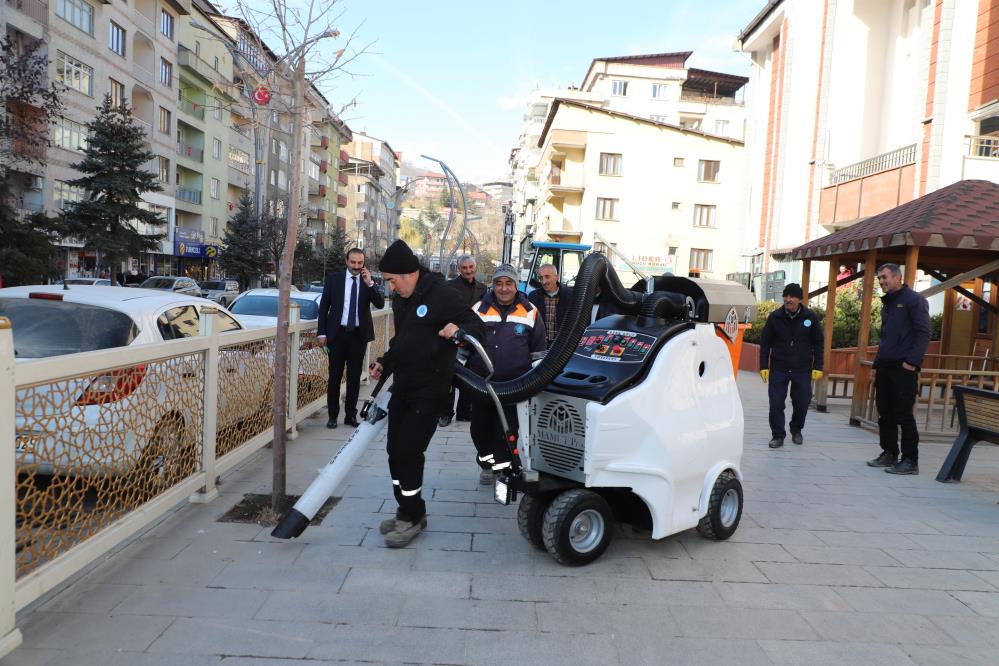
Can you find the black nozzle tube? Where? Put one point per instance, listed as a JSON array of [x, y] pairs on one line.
[[595, 273], [291, 526]]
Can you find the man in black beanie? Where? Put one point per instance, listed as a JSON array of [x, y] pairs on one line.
[[791, 348], [427, 313]]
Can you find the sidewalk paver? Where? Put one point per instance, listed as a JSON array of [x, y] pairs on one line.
[[834, 563]]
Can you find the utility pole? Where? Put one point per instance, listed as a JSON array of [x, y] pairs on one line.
[[508, 220]]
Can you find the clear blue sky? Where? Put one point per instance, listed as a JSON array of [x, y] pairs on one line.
[[450, 78]]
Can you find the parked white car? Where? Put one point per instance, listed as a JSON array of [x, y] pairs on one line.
[[258, 308], [88, 281], [126, 418]]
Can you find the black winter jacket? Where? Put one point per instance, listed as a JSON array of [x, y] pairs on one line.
[[421, 361], [470, 292], [905, 328], [792, 343], [512, 334]]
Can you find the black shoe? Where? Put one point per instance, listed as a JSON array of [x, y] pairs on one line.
[[904, 466], [444, 421], [884, 460], [331, 424], [351, 421], [797, 438], [776, 442], [463, 417]]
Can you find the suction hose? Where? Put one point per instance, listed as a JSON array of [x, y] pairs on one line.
[[595, 273]]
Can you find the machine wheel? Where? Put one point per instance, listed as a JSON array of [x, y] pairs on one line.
[[724, 508], [531, 519], [577, 527]]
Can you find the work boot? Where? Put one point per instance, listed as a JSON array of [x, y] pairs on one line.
[[904, 466], [884, 460], [387, 526], [776, 442], [486, 477], [443, 421], [403, 532], [797, 438]]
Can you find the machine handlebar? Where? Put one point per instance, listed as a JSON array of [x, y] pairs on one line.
[[463, 337]]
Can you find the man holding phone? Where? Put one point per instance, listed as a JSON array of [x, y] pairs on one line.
[[345, 327]]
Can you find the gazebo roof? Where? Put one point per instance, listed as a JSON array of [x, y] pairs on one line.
[[962, 216]]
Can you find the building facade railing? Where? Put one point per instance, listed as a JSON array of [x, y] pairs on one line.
[[190, 152], [189, 195], [883, 162], [982, 146], [191, 108], [35, 9]]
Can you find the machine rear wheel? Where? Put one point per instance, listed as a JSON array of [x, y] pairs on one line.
[[531, 519], [577, 527], [724, 508]]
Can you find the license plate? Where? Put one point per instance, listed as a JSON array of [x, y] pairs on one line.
[[502, 492]]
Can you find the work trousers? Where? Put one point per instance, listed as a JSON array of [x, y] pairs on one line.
[[488, 436], [895, 397], [801, 396], [411, 424], [463, 410], [346, 349]]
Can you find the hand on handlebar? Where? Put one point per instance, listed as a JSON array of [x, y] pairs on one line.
[[450, 332]]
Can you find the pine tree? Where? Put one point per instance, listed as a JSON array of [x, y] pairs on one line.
[[114, 178], [243, 248]]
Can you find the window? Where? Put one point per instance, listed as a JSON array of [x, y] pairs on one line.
[[610, 164], [117, 91], [619, 88], [116, 39], [707, 171], [721, 127], [165, 123], [74, 74], [215, 65], [215, 188], [216, 149], [282, 179], [273, 177], [704, 216], [241, 158], [659, 90], [676, 205], [166, 24], [660, 119], [700, 260], [313, 171], [690, 123], [77, 12], [164, 169], [606, 209], [274, 147], [64, 194], [215, 227], [678, 161], [71, 135], [284, 150], [197, 48], [217, 109], [166, 72], [179, 322]]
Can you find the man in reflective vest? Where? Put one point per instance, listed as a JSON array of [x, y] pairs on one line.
[[514, 330]]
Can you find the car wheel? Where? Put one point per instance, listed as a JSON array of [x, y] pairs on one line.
[[170, 455], [724, 508], [531, 519], [577, 527], [222, 302]]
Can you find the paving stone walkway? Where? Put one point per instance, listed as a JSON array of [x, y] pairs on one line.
[[834, 563]]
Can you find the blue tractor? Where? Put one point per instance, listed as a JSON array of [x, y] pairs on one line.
[[566, 257]]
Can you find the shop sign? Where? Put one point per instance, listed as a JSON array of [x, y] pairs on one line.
[[188, 243]]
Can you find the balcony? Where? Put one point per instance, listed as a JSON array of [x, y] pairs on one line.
[[189, 195], [883, 162], [320, 140], [701, 98], [238, 177], [189, 59], [322, 190], [317, 213], [341, 221], [868, 188], [324, 166], [342, 178], [343, 157], [981, 159], [241, 130], [191, 108], [33, 9], [190, 152], [341, 201]]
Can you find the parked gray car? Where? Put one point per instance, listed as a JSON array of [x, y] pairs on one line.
[[221, 291], [178, 285]]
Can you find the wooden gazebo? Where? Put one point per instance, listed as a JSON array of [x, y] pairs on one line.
[[952, 235]]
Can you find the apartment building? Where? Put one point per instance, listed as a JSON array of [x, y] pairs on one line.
[[858, 106], [372, 211], [668, 198], [656, 87]]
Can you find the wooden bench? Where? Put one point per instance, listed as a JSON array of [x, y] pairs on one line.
[[978, 414]]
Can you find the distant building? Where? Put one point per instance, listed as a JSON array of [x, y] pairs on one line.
[[372, 210], [499, 190]]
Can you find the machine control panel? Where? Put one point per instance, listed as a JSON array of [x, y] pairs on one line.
[[615, 346]]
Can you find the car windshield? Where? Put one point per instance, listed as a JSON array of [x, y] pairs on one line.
[[158, 283], [80, 281], [267, 306], [213, 284], [81, 327]]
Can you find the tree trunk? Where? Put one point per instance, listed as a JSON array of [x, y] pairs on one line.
[[284, 291]]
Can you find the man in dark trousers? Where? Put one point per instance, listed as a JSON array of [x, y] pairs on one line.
[[345, 327], [791, 348], [905, 334], [552, 301], [514, 331], [421, 357], [471, 291]]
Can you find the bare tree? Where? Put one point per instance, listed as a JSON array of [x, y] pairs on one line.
[[307, 51]]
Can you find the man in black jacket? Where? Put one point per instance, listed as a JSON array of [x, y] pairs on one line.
[[552, 301], [427, 313], [345, 326], [905, 334], [471, 290], [791, 348]]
